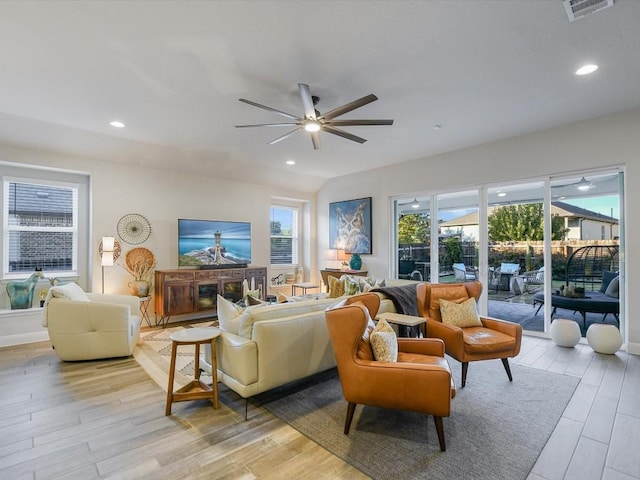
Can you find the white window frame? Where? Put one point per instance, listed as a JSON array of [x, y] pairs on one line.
[[295, 234], [7, 228]]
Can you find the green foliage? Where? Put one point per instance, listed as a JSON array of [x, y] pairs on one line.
[[276, 228], [413, 228], [453, 251], [522, 223]]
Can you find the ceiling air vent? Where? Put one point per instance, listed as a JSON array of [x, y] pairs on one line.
[[577, 9]]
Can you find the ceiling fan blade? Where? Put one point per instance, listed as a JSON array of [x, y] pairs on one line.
[[307, 101], [336, 112], [282, 137], [315, 139], [346, 123], [342, 133], [268, 125], [284, 114]]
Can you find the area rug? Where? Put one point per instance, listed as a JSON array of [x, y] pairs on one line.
[[153, 354], [496, 430]]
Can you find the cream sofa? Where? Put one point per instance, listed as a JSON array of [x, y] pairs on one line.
[[276, 344], [105, 326]]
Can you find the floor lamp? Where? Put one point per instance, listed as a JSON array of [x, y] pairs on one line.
[[109, 251]]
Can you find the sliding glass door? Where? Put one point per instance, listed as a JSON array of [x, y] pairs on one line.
[[529, 243]]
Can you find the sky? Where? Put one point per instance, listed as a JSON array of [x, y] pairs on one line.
[[604, 205]]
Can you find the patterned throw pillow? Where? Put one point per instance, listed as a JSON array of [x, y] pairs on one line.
[[461, 315], [351, 285], [336, 287], [384, 342]]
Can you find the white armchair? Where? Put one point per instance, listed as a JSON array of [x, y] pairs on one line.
[[105, 326]]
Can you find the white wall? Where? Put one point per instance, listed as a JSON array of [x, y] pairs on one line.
[[163, 197], [606, 141]]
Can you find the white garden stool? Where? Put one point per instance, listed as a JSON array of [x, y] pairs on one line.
[[565, 333], [604, 338]]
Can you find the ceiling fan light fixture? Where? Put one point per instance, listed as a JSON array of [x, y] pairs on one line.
[[586, 69], [312, 126], [583, 185], [415, 203]]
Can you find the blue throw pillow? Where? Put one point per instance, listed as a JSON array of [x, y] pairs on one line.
[[606, 280]]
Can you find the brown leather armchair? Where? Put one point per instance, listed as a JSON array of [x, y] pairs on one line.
[[420, 381], [495, 339]]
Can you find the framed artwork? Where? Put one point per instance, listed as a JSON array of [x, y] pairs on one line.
[[350, 225]]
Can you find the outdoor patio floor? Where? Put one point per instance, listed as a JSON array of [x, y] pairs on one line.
[[520, 309]]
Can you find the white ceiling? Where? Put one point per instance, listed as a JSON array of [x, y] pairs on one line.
[[173, 71]]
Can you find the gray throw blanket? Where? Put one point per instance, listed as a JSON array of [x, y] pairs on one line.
[[404, 298]]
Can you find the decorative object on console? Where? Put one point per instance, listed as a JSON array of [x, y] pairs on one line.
[[356, 262], [21, 292], [140, 263], [109, 252], [350, 225], [134, 229]]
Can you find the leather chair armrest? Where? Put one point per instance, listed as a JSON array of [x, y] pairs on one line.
[[450, 334], [423, 346], [504, 326]]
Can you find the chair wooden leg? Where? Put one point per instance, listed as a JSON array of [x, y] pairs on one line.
[[465, 367], [350, 411], [505, 362], [440, 430]]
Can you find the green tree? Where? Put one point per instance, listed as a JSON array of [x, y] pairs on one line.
[[522, 223], [276, 228], [413, 228]]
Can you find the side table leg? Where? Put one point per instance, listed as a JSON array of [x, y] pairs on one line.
[[214, 373], [172, 371]]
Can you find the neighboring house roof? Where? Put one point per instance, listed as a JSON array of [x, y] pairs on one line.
[[567, 210], [557, 208]]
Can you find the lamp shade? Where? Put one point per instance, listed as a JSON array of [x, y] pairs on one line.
[[108, 249], [331, 254], [342, 255]]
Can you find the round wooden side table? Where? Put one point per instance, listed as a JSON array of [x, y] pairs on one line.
[[196, 389]]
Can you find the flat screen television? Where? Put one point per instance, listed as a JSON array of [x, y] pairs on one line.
[[213, 244]]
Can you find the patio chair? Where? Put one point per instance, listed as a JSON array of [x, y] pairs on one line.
[[464, 273], [532, 279]]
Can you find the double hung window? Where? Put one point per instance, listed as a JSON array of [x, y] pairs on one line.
[[284, 235]]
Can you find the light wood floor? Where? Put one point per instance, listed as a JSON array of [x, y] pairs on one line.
[[105, 419]]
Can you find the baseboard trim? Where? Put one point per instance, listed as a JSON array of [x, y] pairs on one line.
[[22, 338], [633, 348]]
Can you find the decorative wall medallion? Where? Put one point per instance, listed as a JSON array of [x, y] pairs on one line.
[[134, 229]]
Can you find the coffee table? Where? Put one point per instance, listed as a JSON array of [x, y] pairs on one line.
[[408, 325]]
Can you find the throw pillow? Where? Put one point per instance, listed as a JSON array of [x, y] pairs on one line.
[[613, 289], [229, 315], [461, 315], [606, 280], [384, 342], [70, 291], [336, 287], [351, 285]]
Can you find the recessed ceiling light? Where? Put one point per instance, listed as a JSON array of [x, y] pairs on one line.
[[290, 162], [116, 124], [502, 194], [586, 69], [437, 126]]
